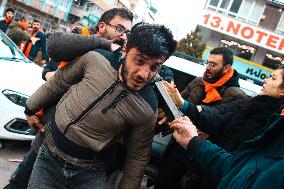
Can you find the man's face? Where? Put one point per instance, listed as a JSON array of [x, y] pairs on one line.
[[9, 15], [271, 85], [215, 67], [116, 29], [36, 26], [27, 22], [138, 69]]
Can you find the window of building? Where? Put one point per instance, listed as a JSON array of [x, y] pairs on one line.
[[280, 26], [64, 3], [246, 10], [273, 60], [239, 48], [235, 6], [214, 3]]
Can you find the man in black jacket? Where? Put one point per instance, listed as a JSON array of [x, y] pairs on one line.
[[218, 85], [32, 52], [9, 16], [113, 25]]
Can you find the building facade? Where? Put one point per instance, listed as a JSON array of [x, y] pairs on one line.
[[60, 14], [88, 11], [49, 12], [252, 29]]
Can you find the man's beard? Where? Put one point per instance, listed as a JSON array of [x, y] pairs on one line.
[[35, 29], [215, 77], [124, 72], [118, 41], [126, 76]]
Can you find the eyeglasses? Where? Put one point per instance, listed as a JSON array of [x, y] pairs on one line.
[[119, 29], [211, 64]]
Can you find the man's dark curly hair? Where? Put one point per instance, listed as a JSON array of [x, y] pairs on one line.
[[153, 40]]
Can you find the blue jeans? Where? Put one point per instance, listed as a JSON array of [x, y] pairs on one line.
[[50, 171]]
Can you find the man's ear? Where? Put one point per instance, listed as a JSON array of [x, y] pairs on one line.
[[101, 27], [281, 92], [123, 52], [227, 68]]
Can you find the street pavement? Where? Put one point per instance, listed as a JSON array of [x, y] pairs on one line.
[[10, 154]]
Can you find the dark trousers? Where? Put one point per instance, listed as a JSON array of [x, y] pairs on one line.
[[50, 171], [172, 168], [178, 171], [20, 178]]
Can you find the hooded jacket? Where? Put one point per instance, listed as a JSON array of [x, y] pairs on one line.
[[96, 108]]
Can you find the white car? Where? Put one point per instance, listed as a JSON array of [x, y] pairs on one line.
[[19, 78]]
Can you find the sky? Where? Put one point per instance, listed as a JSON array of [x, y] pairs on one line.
[[181, 16]]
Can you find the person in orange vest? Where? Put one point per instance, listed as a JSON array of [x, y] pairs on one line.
[[9, 17], [18, 31], [32, 52]]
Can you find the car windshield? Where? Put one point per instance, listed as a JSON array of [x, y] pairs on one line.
[[9, 51]]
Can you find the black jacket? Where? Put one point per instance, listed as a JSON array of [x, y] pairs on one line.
[[68, 46], [4, 25], [230, 124], [41, 44], [50, 67]]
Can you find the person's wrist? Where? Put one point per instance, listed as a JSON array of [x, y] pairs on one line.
[[180, 103]]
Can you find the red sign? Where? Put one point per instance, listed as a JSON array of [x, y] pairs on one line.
[[243, 31]]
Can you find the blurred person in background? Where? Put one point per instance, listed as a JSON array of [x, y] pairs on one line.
[[36, 52], [18, 31], [8, 18]]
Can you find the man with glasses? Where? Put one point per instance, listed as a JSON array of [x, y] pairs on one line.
[[218, 85], [113, 25]]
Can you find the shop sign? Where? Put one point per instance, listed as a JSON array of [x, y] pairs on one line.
[[243, 31]]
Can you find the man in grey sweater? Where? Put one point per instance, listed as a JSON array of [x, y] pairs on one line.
[[101, 97]]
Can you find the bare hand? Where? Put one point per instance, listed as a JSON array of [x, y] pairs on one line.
[[114, 47], [184, 130], [35, 122], [174, 93], [43, 62], [49, 75], [202, 135], [162, 118], [34, 40]]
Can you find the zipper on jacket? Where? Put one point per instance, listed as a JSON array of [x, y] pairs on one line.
[[106, 92], [115, 101]]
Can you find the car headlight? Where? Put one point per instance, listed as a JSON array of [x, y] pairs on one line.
[[16, 97]]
